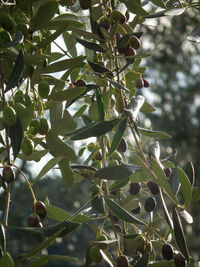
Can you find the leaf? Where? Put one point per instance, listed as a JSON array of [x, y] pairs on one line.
[[44, 14], [70, 43], [17, 39], [121, 213], [68, 94], [44, 258], [117, 137], [166, 212], [159, 3], [147, 107], [58, 230], [162, 180], [38, 263], [186, 188], [61, 215], [135, 7], [91, 45], [175, 11], [34, 59], [190, 172], [6, 260], [153, 133], [107, 258], [2, 239], [134, 106], [118, 172], [186, 216], [85, 34], [55, 113], [16, 134], [57, 146], [179, 234], [62, 65], [48, 166], [119, 184], [100, 107], [36, 155], [16, 72], [65, 124], [143, 261], [194, 35], [94, 130], [161, 264], [195, 194], [66, 171], [100, 69], [80, 112]]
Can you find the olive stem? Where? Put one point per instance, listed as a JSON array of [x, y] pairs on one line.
[[7, 206], [28, 183]]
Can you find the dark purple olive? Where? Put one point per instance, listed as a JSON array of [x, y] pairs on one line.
[[80, 82], [134, 188], [153, 187], [137, 210], [179, 260], [167, 252], [122, 261], [135, 42], [33, 220], [122, 147], [146, 83], [150, 204], [167, 171], [40, 209]]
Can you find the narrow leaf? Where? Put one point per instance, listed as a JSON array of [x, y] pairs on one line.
[[62, 65], [66, 171], [135, 7], [194, 35], [91, 45], [107, 258], [16, 134], [117, 137], [2, 238], [95, 130], [167, 215], [118, 172], [153, 133], [162, 180], [119, 184], [147, 107], [186, 216], [48, 166], [179, 234], [16, 72], [186, 187], [68, 94], [100, 107], [57, 146], [17, 39], [36, 155], [159, 3], [121, 213], [61, 215], [100, 69]]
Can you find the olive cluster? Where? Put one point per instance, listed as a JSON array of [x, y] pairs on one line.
[[39, 213], [169, 254]]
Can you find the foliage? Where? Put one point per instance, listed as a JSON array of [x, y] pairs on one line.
[[90, 89]]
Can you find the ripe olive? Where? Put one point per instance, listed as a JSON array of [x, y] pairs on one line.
[[85, 4], [122, 147], [40, 209], [146, 83], [167, 252], [33, 220], [150, 204], [134, 42], [137, 210], [134, 188], [80, 82], [122, 261], [179, 260], [153, 187]]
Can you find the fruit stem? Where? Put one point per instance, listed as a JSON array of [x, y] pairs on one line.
[[28, 183]]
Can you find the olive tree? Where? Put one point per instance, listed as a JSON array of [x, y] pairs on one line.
[[73, 71]]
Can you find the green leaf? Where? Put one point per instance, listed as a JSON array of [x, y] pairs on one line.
[[65, 124], [2, 239], [117, 137], [17, 39], [159, 3], [48, 166], [147, 107], [96, 129], [42, 259], [143, 261], [119, 184], [190, 172], [179, 234], [45, 42], [162, 180], [100, 107], [100, 69], [16, 72], [194, 35], [107, 258], [70, 43], [186, 188], [55, 112], [16, 134], [121, 213], [80, 112], [68, 94], [38, 263], [62, 65], [58, 230], [44, 14], [153, 133], [61, 215], [57, 146], [195, 194], [34, 59], [6, 260], [118, 172], [91, 45], [135, 7], [66, 171], [167, 215], [36, 155]]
